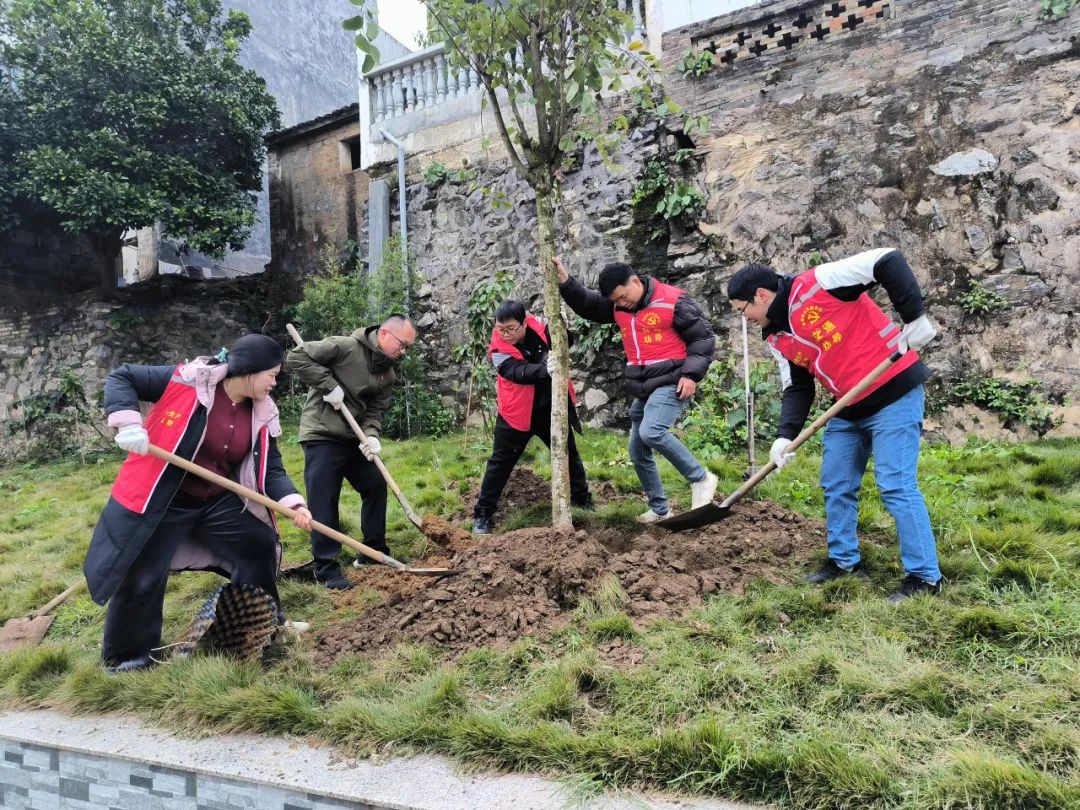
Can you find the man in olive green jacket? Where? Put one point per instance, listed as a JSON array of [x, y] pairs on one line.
[[356, 372]]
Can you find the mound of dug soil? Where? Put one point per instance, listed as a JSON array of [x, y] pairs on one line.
[[525, 582], [525, 489]]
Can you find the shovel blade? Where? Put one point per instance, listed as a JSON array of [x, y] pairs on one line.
[[695, 518], [24, 632]]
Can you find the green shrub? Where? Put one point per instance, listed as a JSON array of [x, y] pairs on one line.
[[670, 196], [1014, 402], [715, 425], [696, 63], [981, 300], [1050, 9], [56, 422]]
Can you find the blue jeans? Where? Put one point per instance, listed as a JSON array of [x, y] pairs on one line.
[[892, 435], [650, 429]]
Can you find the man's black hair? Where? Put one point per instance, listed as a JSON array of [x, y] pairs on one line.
[[614, 275], [745, 283], [510, 310]]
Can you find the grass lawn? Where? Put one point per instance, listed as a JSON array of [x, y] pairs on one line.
[[807, 697]]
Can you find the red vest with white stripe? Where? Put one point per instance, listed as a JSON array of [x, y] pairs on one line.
[[839, 342], [649, 335], [166, 424], [515, 400]]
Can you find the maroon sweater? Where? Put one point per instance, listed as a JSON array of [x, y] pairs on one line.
[[225, 444]]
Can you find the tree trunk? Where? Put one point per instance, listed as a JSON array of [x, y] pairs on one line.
[[560, 468]]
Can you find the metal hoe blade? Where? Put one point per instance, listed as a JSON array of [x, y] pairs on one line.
[[695, 518], [431, 572]]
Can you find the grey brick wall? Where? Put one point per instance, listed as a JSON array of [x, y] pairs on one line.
[[38, 777]]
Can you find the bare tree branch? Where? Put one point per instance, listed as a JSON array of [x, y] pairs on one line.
[[511, 150]]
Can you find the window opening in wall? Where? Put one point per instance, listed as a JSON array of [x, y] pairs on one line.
[[349, 153]]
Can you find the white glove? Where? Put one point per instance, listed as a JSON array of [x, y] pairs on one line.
[[335, 397], [777, 454], [551, 364], [916, 335], [370, 447], [134, 439]]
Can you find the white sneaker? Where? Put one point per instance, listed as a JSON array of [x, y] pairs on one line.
[[701, 492], [297, 627], [649, 517]]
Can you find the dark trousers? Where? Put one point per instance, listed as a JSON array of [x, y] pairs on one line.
[[509, 444], [133, 619], [326, 465]]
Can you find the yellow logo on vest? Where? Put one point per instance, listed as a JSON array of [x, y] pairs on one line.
[[169, 418], [810, 315]]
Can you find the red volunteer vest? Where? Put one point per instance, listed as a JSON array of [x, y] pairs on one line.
[[515, 401], [166, 424], [649, 335], [839, 342]]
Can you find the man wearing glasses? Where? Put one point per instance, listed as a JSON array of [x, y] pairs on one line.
[[357, 372], [519, 352]]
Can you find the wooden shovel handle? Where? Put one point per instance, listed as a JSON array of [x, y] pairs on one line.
[[815, 426], [270, 503], [406, 507], [59, 598]]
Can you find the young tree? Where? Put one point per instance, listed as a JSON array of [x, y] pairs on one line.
[[115, 114], [544, 65]]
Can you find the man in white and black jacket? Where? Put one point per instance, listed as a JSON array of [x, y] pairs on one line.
[[669, 345], [822, 324]]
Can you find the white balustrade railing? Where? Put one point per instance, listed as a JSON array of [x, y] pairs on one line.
[[417, 81], [423, 79]]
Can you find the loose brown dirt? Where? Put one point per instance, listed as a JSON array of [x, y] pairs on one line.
[[526, 582]]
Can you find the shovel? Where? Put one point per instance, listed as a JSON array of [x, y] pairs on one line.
[[406, 507], [28, 631], [712, 512], [269, 503]]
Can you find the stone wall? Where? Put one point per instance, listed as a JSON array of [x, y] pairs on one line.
[[838, 137], [834, 129], [316, 196], [162, 321]]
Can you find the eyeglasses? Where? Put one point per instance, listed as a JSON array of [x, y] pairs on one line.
[[742, 309], [506, 331], [404, 346]]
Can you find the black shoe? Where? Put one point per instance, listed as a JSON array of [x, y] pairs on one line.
[[481, 524], [131, 665], [912, 586], [333, 579], [830, 571], [362, 559], [588, 505]]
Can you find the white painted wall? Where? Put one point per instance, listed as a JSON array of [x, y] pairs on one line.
[[677, 13]]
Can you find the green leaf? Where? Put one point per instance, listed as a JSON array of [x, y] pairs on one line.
[[354, 23]]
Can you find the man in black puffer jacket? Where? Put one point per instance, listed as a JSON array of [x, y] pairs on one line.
[[669, 345]]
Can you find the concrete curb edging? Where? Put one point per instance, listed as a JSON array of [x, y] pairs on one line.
[[248, 771]]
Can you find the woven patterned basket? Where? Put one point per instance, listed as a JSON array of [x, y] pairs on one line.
[[237, 620]]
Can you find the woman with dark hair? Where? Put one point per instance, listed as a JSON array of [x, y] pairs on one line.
[[216, 412]]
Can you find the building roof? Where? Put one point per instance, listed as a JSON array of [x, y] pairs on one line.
[[304, 129]]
